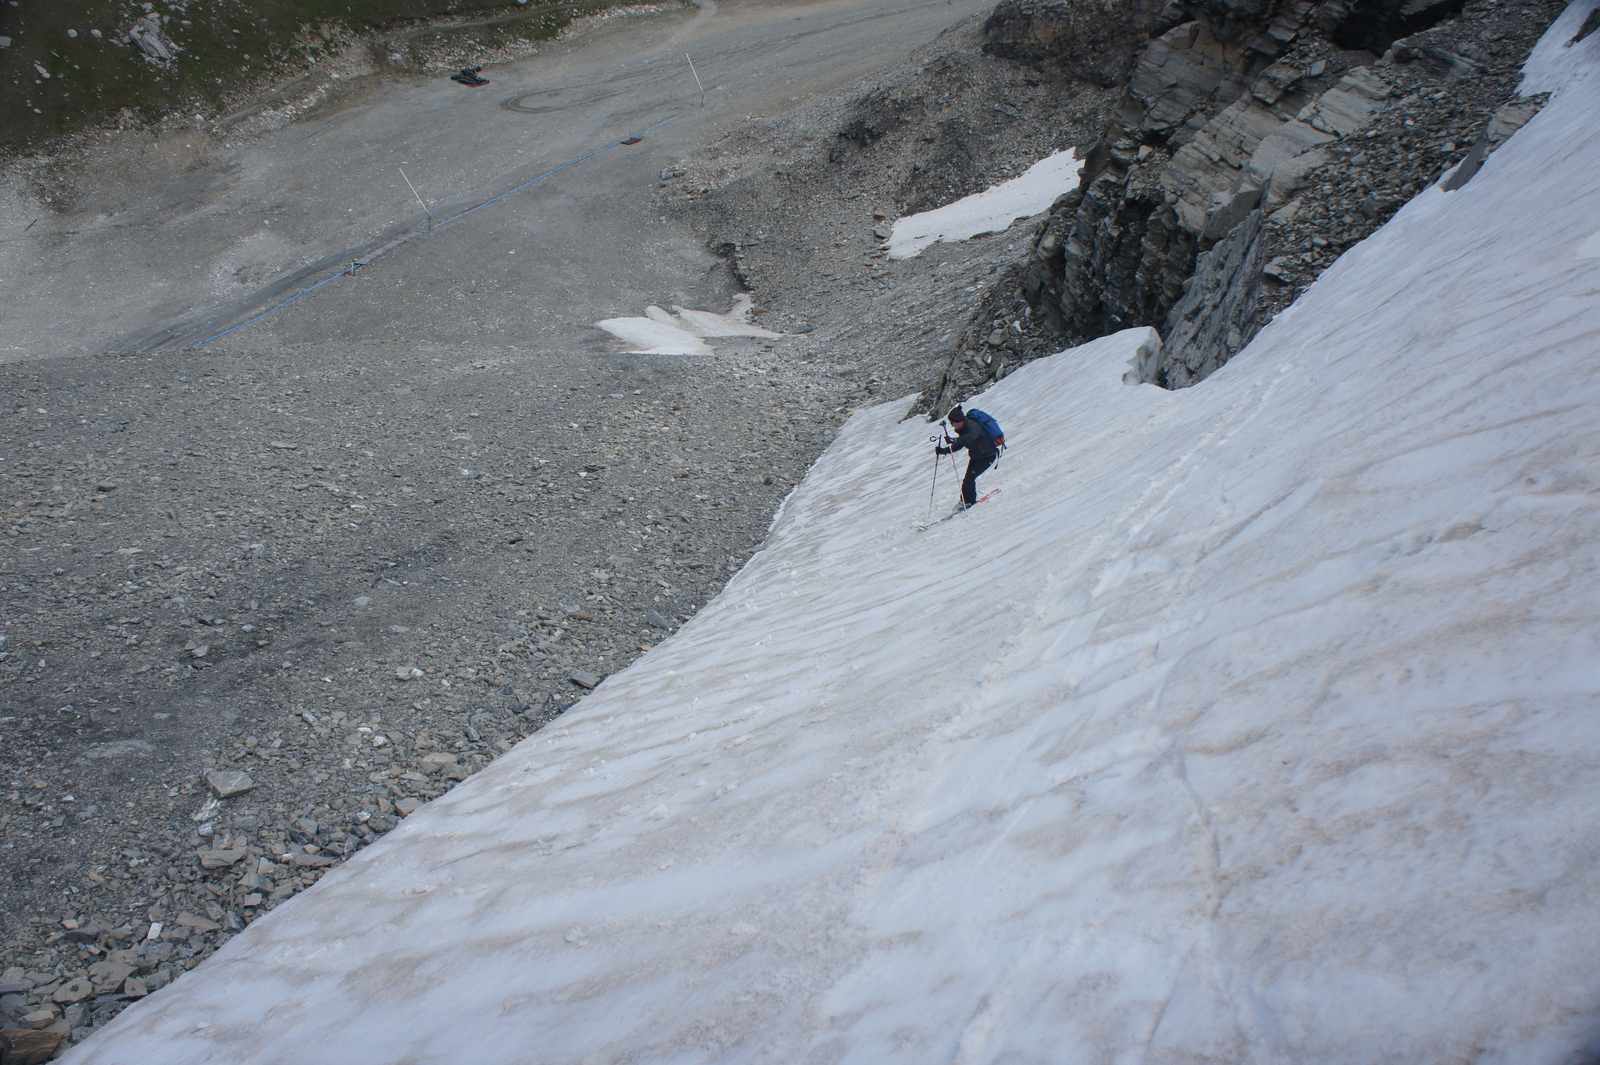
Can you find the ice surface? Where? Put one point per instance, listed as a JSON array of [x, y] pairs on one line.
[[1258, 722], [990, 211], [681, 332]]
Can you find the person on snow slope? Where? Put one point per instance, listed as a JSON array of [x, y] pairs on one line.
[[980, 447]]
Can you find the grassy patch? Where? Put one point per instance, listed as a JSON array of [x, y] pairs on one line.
[[227, 47]]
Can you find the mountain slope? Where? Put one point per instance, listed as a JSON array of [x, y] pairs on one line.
[[80, 64], [1251, 723]]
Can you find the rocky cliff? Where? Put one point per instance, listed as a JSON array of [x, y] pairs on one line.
[[1095, 41], [1255, 141]]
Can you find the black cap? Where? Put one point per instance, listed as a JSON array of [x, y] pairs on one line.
[[957, 414]]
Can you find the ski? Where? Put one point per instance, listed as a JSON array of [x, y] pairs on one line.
[[925, 526]]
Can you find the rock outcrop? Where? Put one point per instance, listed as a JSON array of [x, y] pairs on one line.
[[1095, 41], [1224, 117], [1590, 24], [1218, 309], [1256, 141]]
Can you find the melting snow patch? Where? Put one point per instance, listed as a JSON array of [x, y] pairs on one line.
[[682, 331], [989, 211]]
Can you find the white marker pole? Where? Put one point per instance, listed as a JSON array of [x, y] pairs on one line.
[[697, 80], [418, 195]]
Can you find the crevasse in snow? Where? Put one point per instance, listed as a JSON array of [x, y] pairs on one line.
[[1258, 722]]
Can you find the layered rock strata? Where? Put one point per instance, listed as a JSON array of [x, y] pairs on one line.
[[1255, 141]]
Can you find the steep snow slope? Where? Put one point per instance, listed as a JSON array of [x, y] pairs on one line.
[[1258, 722]]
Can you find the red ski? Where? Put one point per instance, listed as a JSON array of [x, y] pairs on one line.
[[958, 511]]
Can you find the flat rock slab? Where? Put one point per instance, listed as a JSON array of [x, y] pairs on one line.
[[220, 859], [108, 976], [226, 783], [75, 990], [311, 861]]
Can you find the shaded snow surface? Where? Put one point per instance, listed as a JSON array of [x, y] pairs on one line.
[[1257, 722], [990, 211]]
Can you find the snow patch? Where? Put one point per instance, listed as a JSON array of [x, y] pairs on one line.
[[682, 332], [990, 211], [1556, 59]]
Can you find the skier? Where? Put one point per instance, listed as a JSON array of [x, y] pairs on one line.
[[970, 434]]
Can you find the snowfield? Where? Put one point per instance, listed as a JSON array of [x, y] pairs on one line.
[[990, 211], [1258, 722]]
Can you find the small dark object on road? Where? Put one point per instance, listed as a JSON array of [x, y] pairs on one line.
[[469, 76]]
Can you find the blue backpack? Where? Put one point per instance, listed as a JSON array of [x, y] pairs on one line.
[[990, 426]]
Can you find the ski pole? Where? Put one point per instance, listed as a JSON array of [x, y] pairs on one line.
[[935, 484], [953, 471]]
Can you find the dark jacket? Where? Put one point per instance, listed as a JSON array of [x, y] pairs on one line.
[[974, 439]]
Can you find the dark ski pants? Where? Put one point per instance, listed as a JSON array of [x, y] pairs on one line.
[[969, 485]]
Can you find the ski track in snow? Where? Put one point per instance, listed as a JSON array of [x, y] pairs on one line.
[[1252, 723]]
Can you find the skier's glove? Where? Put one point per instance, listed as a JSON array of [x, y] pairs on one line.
[[941, 450]]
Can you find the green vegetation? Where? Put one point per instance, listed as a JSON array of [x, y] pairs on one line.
[[227, 46]]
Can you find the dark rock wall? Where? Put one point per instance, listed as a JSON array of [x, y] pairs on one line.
[[1218, 310], [1590, 24], [1211, 113], [1255, 141]]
